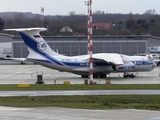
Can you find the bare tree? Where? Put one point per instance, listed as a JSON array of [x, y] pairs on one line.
[[1, 24], [72, 13], [150, 12]]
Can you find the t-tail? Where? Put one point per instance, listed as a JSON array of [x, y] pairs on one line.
[[37, 46]]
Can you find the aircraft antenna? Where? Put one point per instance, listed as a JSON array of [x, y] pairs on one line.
[[42, 16]]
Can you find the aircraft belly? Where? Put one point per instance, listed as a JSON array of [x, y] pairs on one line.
[[95, 69], [76, 70], [104, 69]]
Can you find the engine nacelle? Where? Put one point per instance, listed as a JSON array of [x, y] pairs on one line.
[[127, 67]]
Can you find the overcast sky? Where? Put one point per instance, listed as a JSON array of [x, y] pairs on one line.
[[63, 7]]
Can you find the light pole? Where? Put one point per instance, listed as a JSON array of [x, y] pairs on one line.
[[90, 45]]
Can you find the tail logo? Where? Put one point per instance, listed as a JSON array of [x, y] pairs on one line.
[[42, 45]]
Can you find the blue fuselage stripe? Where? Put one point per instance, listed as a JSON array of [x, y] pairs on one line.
[[138, 63]]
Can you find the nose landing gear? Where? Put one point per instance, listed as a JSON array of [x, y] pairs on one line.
[[127, 74]]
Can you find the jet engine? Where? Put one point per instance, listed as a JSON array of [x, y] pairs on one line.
[[127, 67]]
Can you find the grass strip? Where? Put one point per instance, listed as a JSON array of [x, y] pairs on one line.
[[81, 87], [103, 102]]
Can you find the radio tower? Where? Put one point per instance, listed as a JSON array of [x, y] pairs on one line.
[[90, 45], [42, 16]]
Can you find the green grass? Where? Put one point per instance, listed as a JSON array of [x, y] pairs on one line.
[[78, 86], [147, 102]]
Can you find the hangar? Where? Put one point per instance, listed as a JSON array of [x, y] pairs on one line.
[[6, 44], [77, 45], [129, 45]]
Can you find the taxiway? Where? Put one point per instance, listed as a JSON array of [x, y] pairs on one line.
[[27, 74], [56, 113]]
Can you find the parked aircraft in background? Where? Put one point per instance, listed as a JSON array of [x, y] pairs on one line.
[[6, 57], [20, 60], [152, 56], [103, 63]]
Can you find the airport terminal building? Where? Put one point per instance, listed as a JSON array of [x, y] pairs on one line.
[[74, 45]]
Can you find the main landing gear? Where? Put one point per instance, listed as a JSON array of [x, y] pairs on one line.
[[95, 76], [127, 74], [84, 76]]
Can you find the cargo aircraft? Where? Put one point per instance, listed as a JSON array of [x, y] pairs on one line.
[[103, 63]]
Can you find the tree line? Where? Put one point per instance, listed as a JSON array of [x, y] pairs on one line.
[[135, 24]]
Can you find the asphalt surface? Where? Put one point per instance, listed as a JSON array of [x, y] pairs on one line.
[[56, 113], [78, 92], [27, 74]]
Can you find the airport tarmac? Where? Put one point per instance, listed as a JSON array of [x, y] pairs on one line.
[[27, 74], [76, 92], [57, 113], [18, 74]]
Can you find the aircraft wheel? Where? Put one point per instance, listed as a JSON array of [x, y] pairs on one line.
[[84, 76], [125, 76], [102, 75], [132, 76], [95, 76]]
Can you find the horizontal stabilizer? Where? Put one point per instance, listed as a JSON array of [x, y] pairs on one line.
[[26, 29]]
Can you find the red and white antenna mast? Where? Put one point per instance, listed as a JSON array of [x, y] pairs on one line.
[[42, 16], [88, 24], [90, 43]]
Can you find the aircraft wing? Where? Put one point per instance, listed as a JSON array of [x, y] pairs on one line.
[[109, 57], [104, 57]]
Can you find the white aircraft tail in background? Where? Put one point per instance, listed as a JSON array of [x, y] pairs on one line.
[[20, 60], [103, 63]]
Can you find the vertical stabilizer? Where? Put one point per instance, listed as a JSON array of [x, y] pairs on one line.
[[34, 41]]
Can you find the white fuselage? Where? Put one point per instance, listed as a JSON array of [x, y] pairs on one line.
[[80, 64]]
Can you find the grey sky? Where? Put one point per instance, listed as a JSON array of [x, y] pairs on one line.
[[63, 7]]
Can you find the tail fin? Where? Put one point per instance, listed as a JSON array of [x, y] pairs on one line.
[[34, 41], [37, 47]]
